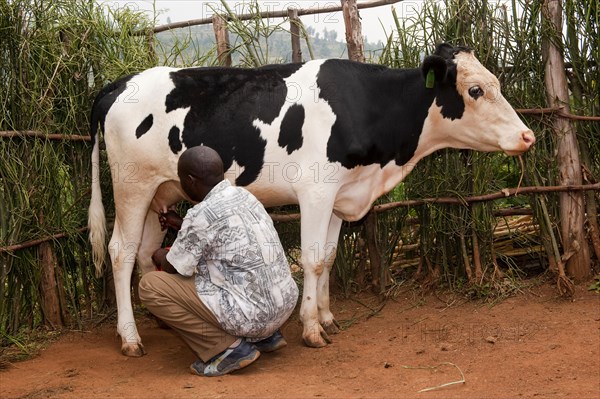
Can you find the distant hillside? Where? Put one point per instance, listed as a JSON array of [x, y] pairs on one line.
[[196, 46]]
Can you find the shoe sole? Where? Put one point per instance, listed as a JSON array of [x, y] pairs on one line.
[[246, 361]]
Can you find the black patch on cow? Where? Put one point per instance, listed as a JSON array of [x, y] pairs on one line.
[[223, 103], [380, 112], [103, 102], [174, 141], [290, 135], [448, 98], [144, 126]]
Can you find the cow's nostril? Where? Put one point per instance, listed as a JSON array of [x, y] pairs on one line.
[[528, 137]]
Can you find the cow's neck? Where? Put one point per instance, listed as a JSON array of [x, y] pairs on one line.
[[385, 123], [410, 132], [418, 122], [431, 139]]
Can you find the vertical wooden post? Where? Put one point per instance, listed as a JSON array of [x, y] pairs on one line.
[[476, 257], [49, 288], [295, 33], [222, 38], [150, 40], [380, 274], [577, 94], [465, 256], [572, 205], [374, 256], [110, 293], [354, 39], [362, 261]]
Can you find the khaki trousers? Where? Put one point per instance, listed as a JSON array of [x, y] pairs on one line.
[[173, 299]]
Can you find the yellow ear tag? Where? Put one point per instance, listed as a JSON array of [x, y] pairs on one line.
[[430, 80]]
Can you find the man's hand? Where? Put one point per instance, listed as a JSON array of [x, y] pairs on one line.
[[159, 258], [170, 219]]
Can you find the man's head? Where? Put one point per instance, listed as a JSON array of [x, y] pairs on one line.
[[199, 170]]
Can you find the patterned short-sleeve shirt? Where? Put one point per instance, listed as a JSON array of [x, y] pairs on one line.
[[229, 242]]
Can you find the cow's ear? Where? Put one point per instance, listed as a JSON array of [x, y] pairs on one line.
[[445, 50], [434, 68]]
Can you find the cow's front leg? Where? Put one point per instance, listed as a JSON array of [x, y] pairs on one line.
[[326, 318], [313, 232], [313, 334], [123, 249]]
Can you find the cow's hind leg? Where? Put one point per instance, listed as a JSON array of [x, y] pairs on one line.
[[167, 194], [123, 248], [152, 239], [328, 322], [122, 254]]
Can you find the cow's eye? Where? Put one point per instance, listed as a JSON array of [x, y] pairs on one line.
[[476, 92]]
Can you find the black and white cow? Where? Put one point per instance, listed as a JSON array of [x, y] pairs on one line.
[[330, 135]]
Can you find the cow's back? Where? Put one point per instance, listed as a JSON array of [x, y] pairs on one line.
[[269, 124]]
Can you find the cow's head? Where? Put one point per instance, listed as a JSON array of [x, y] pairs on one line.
[[469, 110]]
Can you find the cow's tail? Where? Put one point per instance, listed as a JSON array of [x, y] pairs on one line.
[[96, 217]]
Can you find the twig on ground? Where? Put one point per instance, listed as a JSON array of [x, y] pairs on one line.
[[461, 381]]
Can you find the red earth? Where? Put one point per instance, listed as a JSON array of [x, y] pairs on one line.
[[534, 344]]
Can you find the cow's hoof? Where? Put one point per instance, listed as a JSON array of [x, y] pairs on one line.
[[317, 341], [331, 327], [133, 350]]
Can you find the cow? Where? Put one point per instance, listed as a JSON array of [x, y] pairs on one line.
[[329, 135]]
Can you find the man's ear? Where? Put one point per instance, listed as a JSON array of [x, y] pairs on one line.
[[192, 180], [436, 65]]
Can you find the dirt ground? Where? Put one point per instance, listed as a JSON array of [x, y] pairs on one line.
[[530, 345]]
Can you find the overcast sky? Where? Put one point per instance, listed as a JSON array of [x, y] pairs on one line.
[[374, 20]]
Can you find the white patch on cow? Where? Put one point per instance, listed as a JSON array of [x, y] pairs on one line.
[[301, 89], [319, 114], [284, 175], [132, 108]]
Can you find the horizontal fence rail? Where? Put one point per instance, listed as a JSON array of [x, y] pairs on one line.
[[42, 135], [560, 111], [508, 192], [267, 14]]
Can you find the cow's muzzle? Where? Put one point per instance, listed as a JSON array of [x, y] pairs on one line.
[[527, 139]]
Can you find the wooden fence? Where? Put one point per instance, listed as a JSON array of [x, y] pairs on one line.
[[354, 40]]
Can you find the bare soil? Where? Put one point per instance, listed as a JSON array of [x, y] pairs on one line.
[[530, 345]]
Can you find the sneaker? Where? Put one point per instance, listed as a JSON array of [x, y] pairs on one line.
[[272, 343], [229, 360]]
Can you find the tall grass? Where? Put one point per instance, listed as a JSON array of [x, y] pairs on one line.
[[55, 56]]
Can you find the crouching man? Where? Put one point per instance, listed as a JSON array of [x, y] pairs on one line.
[[228, 287]]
